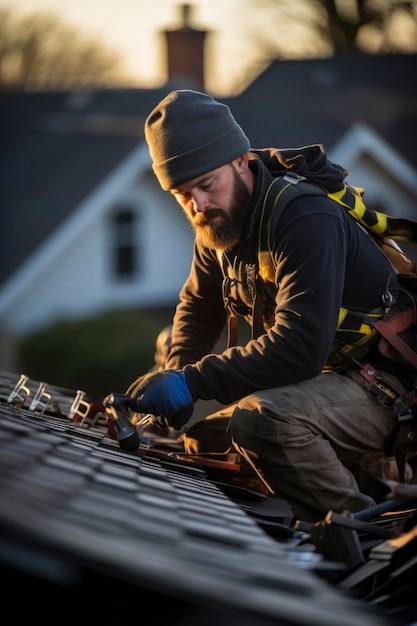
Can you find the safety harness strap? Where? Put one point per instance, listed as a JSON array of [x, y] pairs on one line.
[[405, 440], [278, 195], [406, 352]]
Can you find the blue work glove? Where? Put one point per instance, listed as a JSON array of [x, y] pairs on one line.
[[165, 393]]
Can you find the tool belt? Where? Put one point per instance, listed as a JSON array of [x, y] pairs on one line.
[[395, 328]]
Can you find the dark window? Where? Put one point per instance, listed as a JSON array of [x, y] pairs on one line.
[[124, 247]]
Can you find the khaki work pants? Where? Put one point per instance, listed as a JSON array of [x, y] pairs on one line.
[[313, 442]]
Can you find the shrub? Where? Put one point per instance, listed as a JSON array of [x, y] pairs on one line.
[[98, 355]]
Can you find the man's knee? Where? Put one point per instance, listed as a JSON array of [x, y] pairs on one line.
[[245, 419]]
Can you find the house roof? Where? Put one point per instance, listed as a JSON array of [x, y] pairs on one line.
[[57, 147], [177, 535], [293, 103]]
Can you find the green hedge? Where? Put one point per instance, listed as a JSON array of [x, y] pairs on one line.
[[98, 355]]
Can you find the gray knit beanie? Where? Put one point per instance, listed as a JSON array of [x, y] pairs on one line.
[[189, 134]]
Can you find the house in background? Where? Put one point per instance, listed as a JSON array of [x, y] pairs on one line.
[[85, 226]]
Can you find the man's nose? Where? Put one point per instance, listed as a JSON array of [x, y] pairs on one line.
[[200, 202]]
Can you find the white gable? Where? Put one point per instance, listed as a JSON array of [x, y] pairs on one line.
[[69, 276], [373, 164]]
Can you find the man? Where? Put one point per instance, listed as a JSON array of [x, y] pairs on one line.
[[299, 411]]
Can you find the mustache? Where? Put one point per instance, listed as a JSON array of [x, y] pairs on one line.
[[204, 219]]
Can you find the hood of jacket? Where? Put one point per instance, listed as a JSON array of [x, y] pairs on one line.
[[309, 161]]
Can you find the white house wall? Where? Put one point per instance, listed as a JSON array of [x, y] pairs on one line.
[[81, 283], [165, 243], [168, 246], [69, 275]]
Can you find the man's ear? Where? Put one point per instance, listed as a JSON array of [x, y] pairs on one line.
[[241, 163]]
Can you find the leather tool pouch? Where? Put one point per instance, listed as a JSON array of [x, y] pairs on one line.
[[397, 348]]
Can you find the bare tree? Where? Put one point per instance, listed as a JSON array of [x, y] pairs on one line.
[[306, 28], [373, 25], [39, 52]]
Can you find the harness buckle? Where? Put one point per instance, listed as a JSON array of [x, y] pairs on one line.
[[292, 177], [380, 388]]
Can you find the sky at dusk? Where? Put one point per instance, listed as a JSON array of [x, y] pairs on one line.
[[237, 33], [131, 28]]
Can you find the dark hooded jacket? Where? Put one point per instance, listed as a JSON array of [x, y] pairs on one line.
[[322, 260]]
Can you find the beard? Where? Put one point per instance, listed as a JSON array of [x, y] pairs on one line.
[[226, 232]]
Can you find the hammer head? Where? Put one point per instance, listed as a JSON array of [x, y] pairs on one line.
[[116, 406]]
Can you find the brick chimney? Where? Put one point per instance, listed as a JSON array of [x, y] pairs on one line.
[[185, 52]]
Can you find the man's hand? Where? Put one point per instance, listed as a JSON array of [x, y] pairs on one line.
[[165, 393]]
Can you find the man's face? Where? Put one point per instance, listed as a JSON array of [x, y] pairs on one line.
[[216, 205]]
